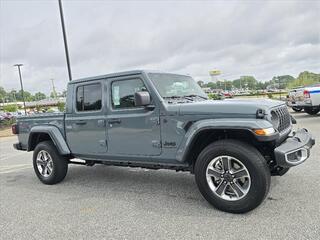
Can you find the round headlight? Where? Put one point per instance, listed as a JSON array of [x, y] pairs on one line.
[[275, 120]]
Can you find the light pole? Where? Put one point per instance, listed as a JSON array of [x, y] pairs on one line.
[[53, 89], [22, 92], [65, 40], [279, 88]]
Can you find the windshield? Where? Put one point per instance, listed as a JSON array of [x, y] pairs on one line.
[[172, 85]]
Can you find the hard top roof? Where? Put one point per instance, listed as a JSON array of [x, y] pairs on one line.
[[110, 75], [117, 74]]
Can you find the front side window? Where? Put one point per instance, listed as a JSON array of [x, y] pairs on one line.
[[89, 97], [123, 92]]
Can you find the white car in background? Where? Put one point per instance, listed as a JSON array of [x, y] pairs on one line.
[[307, 98]]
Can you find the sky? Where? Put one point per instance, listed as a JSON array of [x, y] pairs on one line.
[[259, 38]]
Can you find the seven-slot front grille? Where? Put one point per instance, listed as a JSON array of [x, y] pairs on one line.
[[284, 118]]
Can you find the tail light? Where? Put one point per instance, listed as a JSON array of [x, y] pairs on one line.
[[306, 94], [14, 128]]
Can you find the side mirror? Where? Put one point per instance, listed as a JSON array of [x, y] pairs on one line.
[[142, 99]]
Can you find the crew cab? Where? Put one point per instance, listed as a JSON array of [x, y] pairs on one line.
[[165, 121], [307, 98]]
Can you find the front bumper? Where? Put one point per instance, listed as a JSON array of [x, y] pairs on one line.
[[17, 146], [295, 149]]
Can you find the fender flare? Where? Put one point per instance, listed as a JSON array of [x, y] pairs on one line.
[[217, 124], [55, 135]]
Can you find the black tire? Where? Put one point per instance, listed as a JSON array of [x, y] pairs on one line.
[[297, 109], [312, 110], [251, 158], [59, 163]]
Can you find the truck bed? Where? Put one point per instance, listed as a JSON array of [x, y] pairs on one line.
[[25, 123]]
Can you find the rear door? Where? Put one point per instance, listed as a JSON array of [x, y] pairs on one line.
[[85, 125]]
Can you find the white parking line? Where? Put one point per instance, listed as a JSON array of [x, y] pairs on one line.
[[6, 157], [14, 168]]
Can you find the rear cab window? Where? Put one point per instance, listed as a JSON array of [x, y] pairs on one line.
[[89, 97]]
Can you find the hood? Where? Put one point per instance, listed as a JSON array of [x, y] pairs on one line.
[[233, 107]]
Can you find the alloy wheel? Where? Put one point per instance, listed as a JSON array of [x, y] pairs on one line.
[[228, 178], [44, 163]]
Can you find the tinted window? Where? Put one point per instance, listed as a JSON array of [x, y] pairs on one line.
[[89, 97], [123, 92]]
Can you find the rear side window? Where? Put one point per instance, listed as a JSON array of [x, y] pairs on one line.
[[89, 97], [123, 92]]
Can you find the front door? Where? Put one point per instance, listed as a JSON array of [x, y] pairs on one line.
[[85, 126], [131, 130]]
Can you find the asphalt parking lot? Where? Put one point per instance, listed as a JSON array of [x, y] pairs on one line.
[[103, 202]]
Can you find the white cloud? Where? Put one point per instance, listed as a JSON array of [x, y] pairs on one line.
[[259, 38]]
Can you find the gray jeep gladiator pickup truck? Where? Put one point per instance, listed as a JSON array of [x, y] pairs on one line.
[[165, 121]]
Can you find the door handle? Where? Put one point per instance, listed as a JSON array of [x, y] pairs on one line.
[[81, 122], [114, 121]]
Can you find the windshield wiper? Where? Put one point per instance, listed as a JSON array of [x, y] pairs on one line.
[[173, 97], [195, 95], [179, 97], [188, 97]]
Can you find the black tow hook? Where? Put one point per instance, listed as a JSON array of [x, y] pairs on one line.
[[293, 120]]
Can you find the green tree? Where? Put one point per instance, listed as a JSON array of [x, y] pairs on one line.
[[228, 85], [211, 85], [27, 96], [248, 82], [305, 78], [53, 95], [261, 85], [10, 108], [39, 96], [3, 94], [11, 96], [61, 106], [245, 82], [282, 82]]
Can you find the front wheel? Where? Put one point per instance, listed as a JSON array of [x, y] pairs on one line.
[[49, 166], [232, 176], [312, 110]]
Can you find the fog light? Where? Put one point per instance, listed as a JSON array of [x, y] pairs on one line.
[[297, 156]]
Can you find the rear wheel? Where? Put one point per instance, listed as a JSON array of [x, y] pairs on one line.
[[49, 166], [297, 109], [312, 110], [232, 176]]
